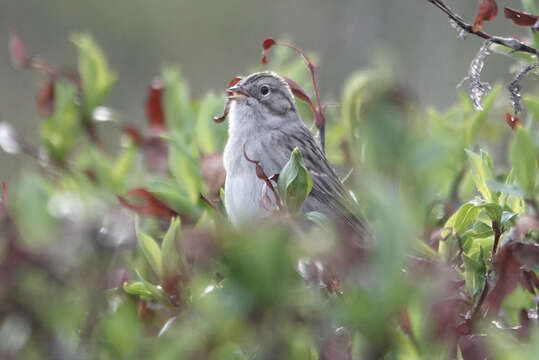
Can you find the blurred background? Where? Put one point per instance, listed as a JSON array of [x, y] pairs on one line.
[[214, 40]]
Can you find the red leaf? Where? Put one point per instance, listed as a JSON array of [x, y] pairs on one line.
[[473, 347], [154, 105], [520, 18], [151, 205], [222, 117], [17, 49], [507, 269], [298, 92], [134, 134], [512, 120], [4, 199], [213, 172], [268, 43], [488, 9], [45, 97]]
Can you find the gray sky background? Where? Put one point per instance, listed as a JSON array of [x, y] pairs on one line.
[[214, 40]]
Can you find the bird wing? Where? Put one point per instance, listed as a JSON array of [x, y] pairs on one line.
[[328, 195]]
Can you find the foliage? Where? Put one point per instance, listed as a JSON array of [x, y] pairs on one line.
[[452, 272]]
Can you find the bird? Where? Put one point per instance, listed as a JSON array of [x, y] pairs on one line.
[[265, 127]]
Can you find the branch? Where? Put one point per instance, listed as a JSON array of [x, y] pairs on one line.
[[511, 43]]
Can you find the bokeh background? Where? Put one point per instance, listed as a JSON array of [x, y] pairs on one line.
[[214, 40]]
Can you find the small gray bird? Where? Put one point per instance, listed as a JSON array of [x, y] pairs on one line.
[[265, 122]]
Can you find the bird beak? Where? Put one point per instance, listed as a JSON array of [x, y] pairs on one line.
[[236, 92]]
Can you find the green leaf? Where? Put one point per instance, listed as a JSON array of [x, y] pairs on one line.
[[295, 182], [482, 171], [482, 230], [524, 160], [169, 253], [146, 290], [507, 216], [61, 130], [532, 104], [177, 102], [97, 79], [494, 211], [184, 163], [463, 218], [151, 251], [138, 288]]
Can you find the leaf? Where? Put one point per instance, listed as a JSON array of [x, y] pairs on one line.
[[60, 131], [45, 97], [520, 18], [169, 253], [507, 270], [295, 182], [482, 171], [139, 289], [463, 218], [154, 105], [513, 121], [17, 49], [177, 102], [298, 92], [151, 251], [524, 160], [151, 206], [184, 163], [488, 9], [97, 78]]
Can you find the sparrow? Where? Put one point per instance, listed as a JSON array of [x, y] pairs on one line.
[[265, 126]]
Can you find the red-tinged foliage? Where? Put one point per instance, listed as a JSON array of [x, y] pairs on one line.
[[172, 285], [488, 10], [222, 117], [318, 110], [17, 50], [512, 120], [404, 321], [298, 91], [337, 346], [507, 268], [213, 172], [4, 199], [268, 43], [198, 247], [473, 347], [154, 105], [134, 134], [45, 97], [151, 205], [520, 18], [261, 174]]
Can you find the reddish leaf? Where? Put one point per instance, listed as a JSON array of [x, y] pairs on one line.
[[45, 98], [473, 347], [151, 205], [527, 254], [213, 172], [4, 199], [154, 105], [298, 91], [507, 269], [261, 174], [512, 120], [134, 134], [520, 18], [17, 49], [268, 43], [221, 118], [488, 9], [404, 321]]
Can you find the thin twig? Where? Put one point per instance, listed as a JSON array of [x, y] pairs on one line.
[[511, 43]]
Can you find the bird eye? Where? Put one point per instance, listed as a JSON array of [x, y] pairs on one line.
[[264, 90]]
